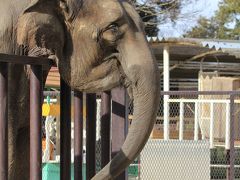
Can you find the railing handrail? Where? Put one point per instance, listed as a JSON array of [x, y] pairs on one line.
[[26, 60], [191, 93], [216, 101]]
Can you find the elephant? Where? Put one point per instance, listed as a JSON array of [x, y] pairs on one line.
[[97, 45]]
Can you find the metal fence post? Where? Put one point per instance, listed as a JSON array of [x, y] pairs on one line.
[[119, 123], [36, 90], [90, 135], [65, 131], [166, 87], [3, 122], [105, 127], [230, 153], [228, 126], [196, 121], [212, 119], [78, 135], [181, 123]]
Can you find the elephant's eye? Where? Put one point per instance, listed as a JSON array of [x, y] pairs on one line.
[[114, 28], [111, 34]]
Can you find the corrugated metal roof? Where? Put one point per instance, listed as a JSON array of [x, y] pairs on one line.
[[232, 47]]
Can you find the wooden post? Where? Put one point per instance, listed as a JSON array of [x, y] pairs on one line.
[[105, 127], [91, 135], [78, 135], [3, 122], [119, 123], [65, 131], [36, 90]]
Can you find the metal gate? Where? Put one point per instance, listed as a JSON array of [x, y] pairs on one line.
[[113, 104]]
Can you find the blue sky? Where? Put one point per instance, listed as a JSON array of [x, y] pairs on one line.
[[190, 15]]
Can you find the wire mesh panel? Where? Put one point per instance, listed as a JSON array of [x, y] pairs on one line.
[[175, 159]]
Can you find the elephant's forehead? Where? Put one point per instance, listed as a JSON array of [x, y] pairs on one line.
[[111, 9]]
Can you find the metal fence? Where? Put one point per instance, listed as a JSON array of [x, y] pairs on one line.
[[35, 111], [199, 143], [196, 134], [104, 150], [198, 138], [116, 109]]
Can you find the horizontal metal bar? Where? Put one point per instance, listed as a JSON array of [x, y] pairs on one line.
[[26, 60], [51, 100], [199, 100], [223, 165], [191, 93], [223, 145], [51, 93]]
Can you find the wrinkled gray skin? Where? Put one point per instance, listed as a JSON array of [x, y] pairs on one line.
[[97, 45]]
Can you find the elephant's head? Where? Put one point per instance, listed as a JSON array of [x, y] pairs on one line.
[[104, 46]]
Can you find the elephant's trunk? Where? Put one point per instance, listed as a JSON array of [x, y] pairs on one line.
[[141, 69]]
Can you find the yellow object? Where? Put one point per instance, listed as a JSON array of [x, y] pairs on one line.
[[54, 110], [50, 110]]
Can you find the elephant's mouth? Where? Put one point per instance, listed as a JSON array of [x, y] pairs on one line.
[[113, 55]]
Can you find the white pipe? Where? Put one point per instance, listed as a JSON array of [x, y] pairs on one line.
[[196, 127], [166, 60], [211, 125], [227, 137], [181, 123], [47, 153], [98, 124], [51, 100]]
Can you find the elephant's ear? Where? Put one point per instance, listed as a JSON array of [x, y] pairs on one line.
[[34, 3], [40, 26], [70, 8]]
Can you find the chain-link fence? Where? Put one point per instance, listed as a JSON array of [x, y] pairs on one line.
[[199, 143]]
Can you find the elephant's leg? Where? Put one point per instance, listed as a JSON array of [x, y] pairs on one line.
[[12, 136], [16, 113], [23, 150]]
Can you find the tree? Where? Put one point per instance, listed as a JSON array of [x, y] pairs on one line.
[[205, 28], [225, 24], [157, 12]]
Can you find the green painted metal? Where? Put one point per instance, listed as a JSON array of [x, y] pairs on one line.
[[51, 171]]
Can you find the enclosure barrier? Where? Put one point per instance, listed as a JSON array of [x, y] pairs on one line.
[[183, 98], [35, 112], [117, 108]]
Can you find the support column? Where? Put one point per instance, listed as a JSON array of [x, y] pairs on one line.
[[231, 152], [65, 131], [119, 123], [90, 135], [36, 90], [78, 135], [166, 59], [105, 127], [3, 122]]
